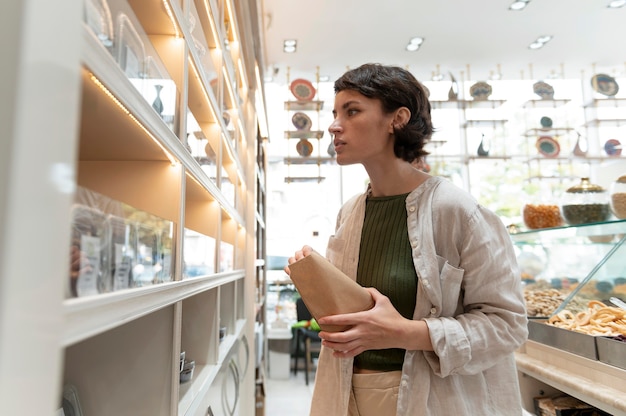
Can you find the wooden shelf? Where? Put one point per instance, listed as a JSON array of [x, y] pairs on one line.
[[304, 105], [304, 134], [593, 382]]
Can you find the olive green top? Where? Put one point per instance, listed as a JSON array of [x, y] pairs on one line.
[[386, 263]]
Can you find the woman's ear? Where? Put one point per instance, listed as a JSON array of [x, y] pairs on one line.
[[401, 118]]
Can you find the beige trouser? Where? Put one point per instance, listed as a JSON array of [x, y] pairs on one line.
[[374, 394]]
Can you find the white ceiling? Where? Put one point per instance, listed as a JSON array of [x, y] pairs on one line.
[[462, 36]]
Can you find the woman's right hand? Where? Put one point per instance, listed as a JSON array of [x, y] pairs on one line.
[[300, 254]]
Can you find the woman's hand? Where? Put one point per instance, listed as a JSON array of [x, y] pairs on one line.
[[378, 328], [305, 251]]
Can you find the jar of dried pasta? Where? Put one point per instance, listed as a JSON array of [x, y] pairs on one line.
[[618, 197], [585, 203]]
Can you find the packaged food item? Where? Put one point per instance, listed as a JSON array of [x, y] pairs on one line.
[[115, 246], [122, 252], [89, 252], [146, 239], [585, 203]]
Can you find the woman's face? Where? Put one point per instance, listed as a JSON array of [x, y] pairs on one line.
[[362, 131]]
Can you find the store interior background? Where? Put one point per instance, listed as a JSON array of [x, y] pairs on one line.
[[470, 41]]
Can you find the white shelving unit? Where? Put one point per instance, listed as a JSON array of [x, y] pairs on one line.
[[80, 109]]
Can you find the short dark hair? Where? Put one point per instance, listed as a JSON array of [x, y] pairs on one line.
[[395, 87]]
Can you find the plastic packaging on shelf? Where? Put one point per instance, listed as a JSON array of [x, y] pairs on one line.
[[122, 252], [115, 246], [89, 252]]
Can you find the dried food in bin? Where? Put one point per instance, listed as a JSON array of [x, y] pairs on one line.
[[597, 319]]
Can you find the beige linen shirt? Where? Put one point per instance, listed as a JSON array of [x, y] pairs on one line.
[[469, 293]]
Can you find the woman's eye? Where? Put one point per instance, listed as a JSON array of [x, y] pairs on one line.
[[352, 112]]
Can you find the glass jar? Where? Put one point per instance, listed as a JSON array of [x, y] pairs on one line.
[[538, 214], [585, 203], [618, 197]]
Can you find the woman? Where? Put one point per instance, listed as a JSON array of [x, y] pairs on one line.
[[449, 311]]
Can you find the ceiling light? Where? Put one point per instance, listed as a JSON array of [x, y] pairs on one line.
[[519, 5], [324, 78], [616, 4], [414, 44], [290, 45], [540, 42]]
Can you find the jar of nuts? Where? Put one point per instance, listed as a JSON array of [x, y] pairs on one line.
[[538, 214], [585, 203], [618, 197]]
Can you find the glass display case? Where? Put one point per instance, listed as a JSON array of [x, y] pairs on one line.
[[567, 267], [574, 282]]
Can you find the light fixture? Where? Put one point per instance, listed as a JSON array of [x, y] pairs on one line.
[[414, 44], [519, 5], [616, 4], [290, 45], [437, 75], [540, 42]]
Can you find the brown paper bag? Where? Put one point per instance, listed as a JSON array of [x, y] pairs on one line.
[[326, 290]]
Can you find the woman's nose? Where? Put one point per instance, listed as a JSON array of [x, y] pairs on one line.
[[334, 127]]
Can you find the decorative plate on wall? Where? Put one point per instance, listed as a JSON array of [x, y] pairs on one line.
[[543, 90], [302, 89], [604, 84], [547, 146], [304, 148], [613, 147], [480, 91], [301, 121]]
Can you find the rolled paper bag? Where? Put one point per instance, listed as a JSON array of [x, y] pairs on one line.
[[326, 290]]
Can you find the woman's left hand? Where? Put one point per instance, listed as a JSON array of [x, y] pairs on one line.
[[381, 327]]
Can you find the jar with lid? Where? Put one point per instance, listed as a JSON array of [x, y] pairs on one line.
[[618, 197], [585, 203], [540, 211]]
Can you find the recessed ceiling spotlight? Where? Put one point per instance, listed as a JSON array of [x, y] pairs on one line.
[[519, 5], [616, 4], [544, 38], [540, 42], [290, 45], [414, 44]]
